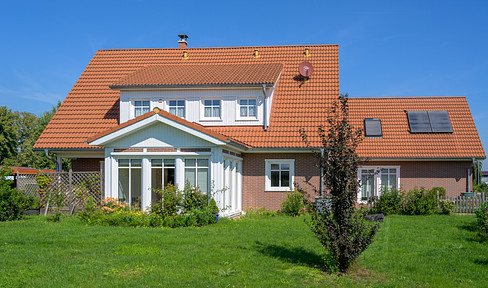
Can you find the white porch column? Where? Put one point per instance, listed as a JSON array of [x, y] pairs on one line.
[[234, 186], [217, 175], [115, 177], [180, 173], [146, 184], [107, 171], [239, 186], [228, 183]]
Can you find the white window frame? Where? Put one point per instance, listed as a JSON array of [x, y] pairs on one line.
[[196, 172], [268, 163], [238, 109], [377, 179], [177, 99], [202, 110], [130, 169], [133, 106]]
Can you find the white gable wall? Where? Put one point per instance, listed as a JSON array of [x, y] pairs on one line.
[[158, 135], [194, 97]]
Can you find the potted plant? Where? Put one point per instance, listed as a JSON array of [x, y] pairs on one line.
[[213, 208]]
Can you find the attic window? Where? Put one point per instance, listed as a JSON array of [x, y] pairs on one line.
[[372, 127], [429, 122]]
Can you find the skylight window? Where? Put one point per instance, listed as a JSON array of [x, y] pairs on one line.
[[372, 127], [429, 122]]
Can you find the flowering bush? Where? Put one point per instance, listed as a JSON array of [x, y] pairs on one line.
[[175, 209]]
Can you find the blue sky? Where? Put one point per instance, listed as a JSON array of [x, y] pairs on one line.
[[387, 48]]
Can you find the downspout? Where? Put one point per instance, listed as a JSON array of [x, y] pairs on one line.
[[321, 172], [265, 109], [470, 180], [46, 152]]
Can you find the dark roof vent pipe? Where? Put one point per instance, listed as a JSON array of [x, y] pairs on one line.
[[182, 43]]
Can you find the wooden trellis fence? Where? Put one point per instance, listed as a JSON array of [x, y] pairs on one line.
[[74, 187]]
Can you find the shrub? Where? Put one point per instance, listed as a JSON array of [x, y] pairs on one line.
[[12, 202], [390, 202], [293, 204], [435, 190], [213, 206], [419, 201], [482, 219], [193, 198], [175, 209], [445, 206]]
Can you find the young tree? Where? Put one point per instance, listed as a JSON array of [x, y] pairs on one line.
[[343, 231]]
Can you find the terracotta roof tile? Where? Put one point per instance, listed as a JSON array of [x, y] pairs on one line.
[[187, 75], [93, 106]]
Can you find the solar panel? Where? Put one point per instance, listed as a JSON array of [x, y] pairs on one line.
[[419, 122], [372, 127], [440, 122]]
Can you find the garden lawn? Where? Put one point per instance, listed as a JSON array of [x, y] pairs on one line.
[[441, 251]]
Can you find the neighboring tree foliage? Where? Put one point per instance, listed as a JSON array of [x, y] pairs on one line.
[[8, 135], [343, 231], [19, 132]]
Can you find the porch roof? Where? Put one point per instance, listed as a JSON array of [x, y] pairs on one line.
[[214, 135]]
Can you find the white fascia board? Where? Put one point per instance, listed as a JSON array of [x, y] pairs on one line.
[[150, 120]]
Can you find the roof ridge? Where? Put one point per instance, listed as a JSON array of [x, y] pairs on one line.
[[207, 48]]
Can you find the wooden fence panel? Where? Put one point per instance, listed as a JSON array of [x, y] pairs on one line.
[[465, 204]]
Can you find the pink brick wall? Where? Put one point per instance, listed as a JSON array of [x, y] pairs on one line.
[[253, 178], [451, 175], [86, 164]]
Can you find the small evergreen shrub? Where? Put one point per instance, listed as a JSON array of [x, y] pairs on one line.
[[293, 204], [213, 206]]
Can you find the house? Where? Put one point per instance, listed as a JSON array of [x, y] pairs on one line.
[[229, 118], [484, 176]]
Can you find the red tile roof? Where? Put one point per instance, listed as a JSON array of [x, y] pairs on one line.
[[92, 107], [166, 115], [398, 142], [188, 75]]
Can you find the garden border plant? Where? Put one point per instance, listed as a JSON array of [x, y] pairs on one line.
[[175, 208]]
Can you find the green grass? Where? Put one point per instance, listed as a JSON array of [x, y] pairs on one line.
[[426, 251]]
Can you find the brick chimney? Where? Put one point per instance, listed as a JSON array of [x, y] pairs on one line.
[[182, 43]]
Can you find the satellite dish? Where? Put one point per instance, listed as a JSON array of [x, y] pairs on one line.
[[305, 69]]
